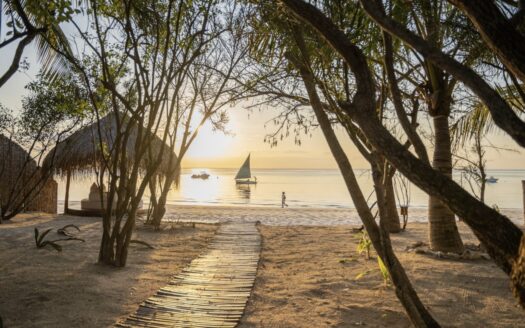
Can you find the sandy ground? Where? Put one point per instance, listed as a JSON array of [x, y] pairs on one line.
[[276, 216], [308, 277], [44, 288]]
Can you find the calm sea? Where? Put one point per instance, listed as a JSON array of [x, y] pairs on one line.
[[303, 187]]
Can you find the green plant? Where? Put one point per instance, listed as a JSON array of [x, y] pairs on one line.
[[364, 245], [384, 271], [41, 243], [362, 274]]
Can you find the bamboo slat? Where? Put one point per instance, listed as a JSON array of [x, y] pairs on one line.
[[212, 291]]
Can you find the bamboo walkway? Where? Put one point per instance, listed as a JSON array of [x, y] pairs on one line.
[[213, 290]]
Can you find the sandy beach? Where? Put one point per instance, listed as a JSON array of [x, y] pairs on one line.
[[307, 216], [308, 277], [309, 273], [44, 288]]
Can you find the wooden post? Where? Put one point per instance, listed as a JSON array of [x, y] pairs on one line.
[[523, 187], [66, 200]]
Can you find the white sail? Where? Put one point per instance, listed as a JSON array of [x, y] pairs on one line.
[[244, 171]]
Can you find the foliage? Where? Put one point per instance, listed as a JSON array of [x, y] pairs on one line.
[[384, 271], [41, 243], [6, 119], [26, 21], [49, 106], [364, 245]]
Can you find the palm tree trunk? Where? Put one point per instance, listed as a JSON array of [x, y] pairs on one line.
[[443, 231]]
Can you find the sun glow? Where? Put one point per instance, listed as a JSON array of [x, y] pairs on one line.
[[210, 144]]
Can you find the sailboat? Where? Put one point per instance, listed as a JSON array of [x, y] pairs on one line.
[[244, 176]]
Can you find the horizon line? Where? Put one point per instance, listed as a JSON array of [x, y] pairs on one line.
[[314, 168]]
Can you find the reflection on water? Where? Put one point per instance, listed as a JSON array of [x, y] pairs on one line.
[[243, 190], [304, 188]]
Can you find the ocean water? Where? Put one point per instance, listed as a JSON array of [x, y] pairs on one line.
[[303, 187]]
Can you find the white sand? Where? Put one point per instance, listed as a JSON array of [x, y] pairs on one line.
[[276, 216]]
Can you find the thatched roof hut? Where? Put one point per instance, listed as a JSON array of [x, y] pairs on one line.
[[16, 169], [81, 152], [23, 185]]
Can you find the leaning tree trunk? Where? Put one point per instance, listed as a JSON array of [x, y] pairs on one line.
[[518, 274], [443, 231], [419, 315], [392, 224], [415, 309]]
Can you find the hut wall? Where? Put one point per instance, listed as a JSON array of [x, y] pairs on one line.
[[46, 200]]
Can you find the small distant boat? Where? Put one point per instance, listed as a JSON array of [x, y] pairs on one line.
[[202, 175], [491, 179], [244, 176]]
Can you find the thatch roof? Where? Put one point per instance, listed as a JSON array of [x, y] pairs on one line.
[[80, 153]]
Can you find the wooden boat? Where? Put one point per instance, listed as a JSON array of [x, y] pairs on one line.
[[202, 175], [244, 176]]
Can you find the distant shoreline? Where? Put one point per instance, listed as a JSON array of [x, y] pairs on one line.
[[272, 206]]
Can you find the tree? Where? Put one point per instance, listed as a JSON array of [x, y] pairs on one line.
[[499, 235], [207, 87], [50, 111], [281, 35], [379, 235], [30, 20], [137, 58]]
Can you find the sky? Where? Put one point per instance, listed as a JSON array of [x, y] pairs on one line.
[[246, 132]]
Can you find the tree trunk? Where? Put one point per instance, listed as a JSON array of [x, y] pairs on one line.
[[523, 191], [66, 198], [518, 274], [153, 199], [159, 210], [443, 231], [417, 312], [106, 254], [498, 234], [498, 32], [393, 223], [415, 309]]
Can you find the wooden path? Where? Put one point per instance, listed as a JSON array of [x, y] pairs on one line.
[[213, 290]]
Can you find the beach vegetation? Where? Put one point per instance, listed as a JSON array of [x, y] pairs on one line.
[[384, 271], [502, 243], [364, 245], [51, 111], [41, 242], [36, 22], [160, 71]]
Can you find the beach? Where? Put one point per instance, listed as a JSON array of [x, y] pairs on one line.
[[309, 273], [45, 288], [313, 277]]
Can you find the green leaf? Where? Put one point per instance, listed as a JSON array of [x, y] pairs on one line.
[[41, 237], [362, 274], [56, 246]]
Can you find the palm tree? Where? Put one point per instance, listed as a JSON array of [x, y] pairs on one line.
[[30, 21]]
